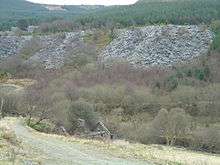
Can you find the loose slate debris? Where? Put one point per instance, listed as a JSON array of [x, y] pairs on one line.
[[159, 45]]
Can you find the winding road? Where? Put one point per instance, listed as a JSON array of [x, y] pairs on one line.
[[58, 152]]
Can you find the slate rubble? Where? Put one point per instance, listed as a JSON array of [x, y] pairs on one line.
[[159, 45], [143, 47]]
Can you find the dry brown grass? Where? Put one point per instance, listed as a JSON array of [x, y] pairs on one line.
[[17, 84], [12, 150], [157, 153], [21, 82]]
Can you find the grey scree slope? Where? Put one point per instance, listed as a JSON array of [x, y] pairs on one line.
[[143, 47], [159, 45]]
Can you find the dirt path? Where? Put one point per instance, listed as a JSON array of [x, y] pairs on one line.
[[46, 149], [57, 152]]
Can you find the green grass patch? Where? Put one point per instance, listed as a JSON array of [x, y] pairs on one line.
[[43, 126]]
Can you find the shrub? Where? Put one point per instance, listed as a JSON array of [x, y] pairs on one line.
[[100, 38], [172, 125], [216, 42], [183, 75], [186, 97], [8, 104], [56, 26], [215, 25], [111, 96], [80, 56], [42, 127], [202, 74], [82, 110], [206, 139], [170, 83], [3, 76], [30, 48], [140, 101], [9, 136], [22, 24]]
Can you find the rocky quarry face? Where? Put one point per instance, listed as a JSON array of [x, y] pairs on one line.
[[159, 45], [143, 47]]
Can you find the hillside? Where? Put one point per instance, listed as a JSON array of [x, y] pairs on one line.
[[159, 45], [144, 12], [144, 47], [156, 12], [136, 84], [13, 10]]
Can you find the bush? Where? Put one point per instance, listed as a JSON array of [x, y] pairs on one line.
[[206, 139], [9, 136], [215, 25], [202, 74], [30, 48], [56, 26], [186, 98], [111, 96], [216, 28], [8, 103], [216, 42], [100, 38], [170, 83], [3, 76], [80, 56], [140, 101], [172, 125], [22, 24], [42, 127], [82, 110]]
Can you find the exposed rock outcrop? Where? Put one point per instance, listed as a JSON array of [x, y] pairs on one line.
[[159, 45]]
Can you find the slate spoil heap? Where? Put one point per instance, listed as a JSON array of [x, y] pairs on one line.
[[159, 45]]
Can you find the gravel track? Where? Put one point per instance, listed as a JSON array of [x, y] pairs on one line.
[[57, 152]]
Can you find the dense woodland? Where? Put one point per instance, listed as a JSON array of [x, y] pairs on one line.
[[145, 12], [174, 106], [156, 12], [13, 11]]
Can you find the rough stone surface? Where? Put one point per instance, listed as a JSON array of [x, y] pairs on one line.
[[159, 45], [53, 52], [10, 45], [56, 49], [145, 47]]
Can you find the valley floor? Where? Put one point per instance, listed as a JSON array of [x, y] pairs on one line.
[[41, 148]]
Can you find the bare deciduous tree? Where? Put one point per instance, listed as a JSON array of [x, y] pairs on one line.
[[35, 105], [172, 125]]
